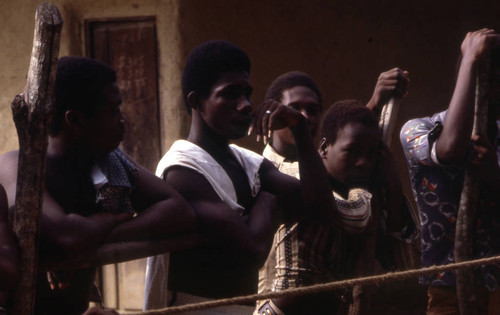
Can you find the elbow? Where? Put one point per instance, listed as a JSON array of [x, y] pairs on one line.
[[449, 152]]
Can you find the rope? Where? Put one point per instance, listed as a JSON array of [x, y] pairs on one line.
[[377, 279]]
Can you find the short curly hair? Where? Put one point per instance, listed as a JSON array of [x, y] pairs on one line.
[[207, 62], [290, 80], [342, 113], [79, 86]]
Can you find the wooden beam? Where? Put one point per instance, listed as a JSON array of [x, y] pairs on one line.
[[32, 111]]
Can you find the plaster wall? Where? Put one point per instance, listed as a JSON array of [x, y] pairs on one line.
[[16, 36]]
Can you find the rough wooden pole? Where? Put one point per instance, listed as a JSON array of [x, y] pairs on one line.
[[32, 113], [469, 200]]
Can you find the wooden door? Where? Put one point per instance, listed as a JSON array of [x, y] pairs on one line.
[[129, 46]]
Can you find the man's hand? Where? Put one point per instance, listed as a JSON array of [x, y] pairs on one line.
[[477, 45], [392, 83], [272, 115], [486, 162], [60, 279]]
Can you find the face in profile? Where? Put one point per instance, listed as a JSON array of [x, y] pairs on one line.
[[227, 110], [106, 128], [306, 102], [352, 157]]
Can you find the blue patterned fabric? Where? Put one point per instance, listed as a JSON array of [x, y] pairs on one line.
[[437, 189], [121, 175]]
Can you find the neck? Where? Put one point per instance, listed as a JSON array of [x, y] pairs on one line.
[[62, 147], [286, 150], [204, 137], [338, 187]]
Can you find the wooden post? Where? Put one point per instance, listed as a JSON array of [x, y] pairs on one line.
[[387, 121], [32, 113], [469, 201]]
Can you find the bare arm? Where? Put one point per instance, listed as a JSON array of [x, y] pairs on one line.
[[244, 237], [163, 213], [454, 141], [62, 235], [312, 196]]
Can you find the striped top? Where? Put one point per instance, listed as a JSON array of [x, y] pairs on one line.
[[310, 252]]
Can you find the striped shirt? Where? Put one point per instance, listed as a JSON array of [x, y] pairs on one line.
[[309, 252]]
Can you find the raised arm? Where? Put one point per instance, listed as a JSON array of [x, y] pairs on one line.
[[454, 141], [312, 196]]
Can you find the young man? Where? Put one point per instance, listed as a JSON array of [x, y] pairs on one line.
[[437, 150], [233, 189], [92, 190], [295, 258]]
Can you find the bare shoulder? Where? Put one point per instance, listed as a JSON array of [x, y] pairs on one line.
[[8, 161], [8, 173]]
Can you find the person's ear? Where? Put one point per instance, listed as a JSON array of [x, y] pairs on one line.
[[323, 147], [194, 100], [74, 119]]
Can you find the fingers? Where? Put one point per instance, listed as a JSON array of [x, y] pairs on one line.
[[60, 279], [261, 119], [394, 82], [397, 79], [482, 146], [51, 280], [477, 44]]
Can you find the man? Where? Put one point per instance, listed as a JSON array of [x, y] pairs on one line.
[[92, 190], [290, 268], [437, 150], [235, 190]]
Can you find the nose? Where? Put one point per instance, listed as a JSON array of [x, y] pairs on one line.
[[245, 105], [363, 162], [304, 113]]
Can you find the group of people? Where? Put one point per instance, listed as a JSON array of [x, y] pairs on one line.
[[323, 202]]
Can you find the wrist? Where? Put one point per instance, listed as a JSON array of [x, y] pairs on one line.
[[373, 104], [469, 60], [300, 125]]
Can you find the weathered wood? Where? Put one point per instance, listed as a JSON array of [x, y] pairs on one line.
[[32, 112], [469, 201], [387, 121]]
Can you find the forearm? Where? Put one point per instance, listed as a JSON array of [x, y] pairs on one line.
[[263, 222], [124, 251], [316, 189], [74, 236], [454, 140], [161, 220]]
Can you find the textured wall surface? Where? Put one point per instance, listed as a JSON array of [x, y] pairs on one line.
[[16, 36]]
